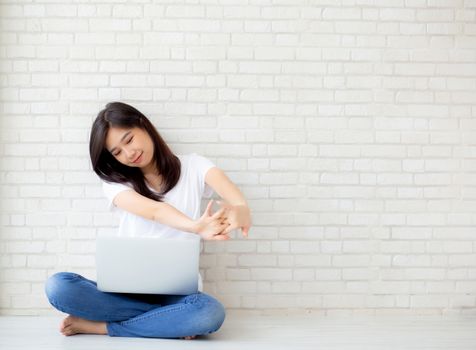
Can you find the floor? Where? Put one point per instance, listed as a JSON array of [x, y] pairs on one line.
[[248, 331]]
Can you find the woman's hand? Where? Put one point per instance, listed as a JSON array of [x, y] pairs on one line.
[[237, 216], [212, 226]]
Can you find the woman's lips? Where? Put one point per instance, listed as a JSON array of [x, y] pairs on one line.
[[137, 159]]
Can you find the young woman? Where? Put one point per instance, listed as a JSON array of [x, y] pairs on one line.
[[155, 193]]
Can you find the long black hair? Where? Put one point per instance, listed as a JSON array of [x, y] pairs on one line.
[[118, 114]]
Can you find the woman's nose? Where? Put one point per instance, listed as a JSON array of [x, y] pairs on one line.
[[129, 153]]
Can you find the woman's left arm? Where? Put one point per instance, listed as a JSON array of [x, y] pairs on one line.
[[238, 213]]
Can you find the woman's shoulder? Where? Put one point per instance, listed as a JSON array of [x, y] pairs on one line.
[[106, 185], [187, 156], [194, 160]]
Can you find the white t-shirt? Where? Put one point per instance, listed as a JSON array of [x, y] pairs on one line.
[[185, 197]]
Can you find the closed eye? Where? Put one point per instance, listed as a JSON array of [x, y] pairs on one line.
[[128, 141]]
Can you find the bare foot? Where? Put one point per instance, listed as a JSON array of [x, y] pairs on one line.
[[190, 337], [74, 325]]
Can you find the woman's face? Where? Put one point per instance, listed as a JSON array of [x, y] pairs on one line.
[[132, 147]]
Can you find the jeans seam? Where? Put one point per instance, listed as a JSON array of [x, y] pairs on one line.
[[157, 312], [177, 307], [67, 309]]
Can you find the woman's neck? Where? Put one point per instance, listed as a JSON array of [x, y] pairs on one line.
[[150, 170], [153, 178]]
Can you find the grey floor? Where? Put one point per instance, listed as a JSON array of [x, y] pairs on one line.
[[249, 331]]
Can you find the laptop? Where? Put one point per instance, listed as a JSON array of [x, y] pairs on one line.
[[148, 265]]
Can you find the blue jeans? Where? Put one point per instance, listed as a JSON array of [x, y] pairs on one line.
[[135, 315]]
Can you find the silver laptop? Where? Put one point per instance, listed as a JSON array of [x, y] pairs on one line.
[[148, 265]]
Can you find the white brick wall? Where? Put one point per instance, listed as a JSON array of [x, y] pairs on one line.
[[349, 125]]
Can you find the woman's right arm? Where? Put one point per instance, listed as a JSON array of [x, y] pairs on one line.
[[209, 226]]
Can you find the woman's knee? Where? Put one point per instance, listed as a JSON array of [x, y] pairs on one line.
[[212, 314], [59, 284], [217, 315]]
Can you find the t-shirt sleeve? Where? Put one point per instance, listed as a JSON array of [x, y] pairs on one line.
[[111, 189], [202, 165]]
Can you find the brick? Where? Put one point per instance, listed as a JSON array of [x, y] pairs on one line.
[[271, 274], [424, 301]]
